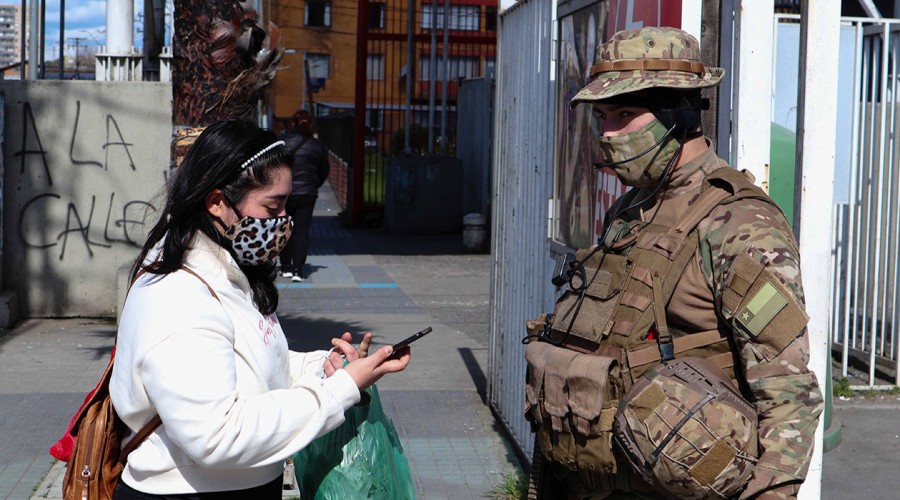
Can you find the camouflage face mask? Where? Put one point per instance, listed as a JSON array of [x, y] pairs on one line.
[[633, 156]]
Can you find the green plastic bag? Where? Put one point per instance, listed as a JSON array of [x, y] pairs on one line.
[[362, 458]]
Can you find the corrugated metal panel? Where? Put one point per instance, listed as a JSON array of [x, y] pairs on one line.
[[523, 174]]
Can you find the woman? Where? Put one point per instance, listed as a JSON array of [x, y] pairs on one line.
[[199, 343], [310, 169]]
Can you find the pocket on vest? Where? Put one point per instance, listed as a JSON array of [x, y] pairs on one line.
[[571, 401], [603, 288]]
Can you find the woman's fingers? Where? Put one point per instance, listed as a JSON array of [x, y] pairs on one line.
[[387, 362], [346, 348], [366, 371], [330, 366], [397, 363], [336, 359], [364, 345]]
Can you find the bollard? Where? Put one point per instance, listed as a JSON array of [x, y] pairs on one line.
[[474, 232]]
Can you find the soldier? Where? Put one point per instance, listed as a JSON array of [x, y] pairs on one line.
[[694, 262]]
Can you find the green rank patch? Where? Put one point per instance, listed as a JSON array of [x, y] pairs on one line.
[[767, 302]]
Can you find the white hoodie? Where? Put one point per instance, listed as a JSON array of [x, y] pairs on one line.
[[234, 401]]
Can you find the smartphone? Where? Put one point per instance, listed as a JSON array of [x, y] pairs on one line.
[[409, 340]]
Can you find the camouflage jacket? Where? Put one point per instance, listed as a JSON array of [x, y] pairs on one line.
[[780, 385]]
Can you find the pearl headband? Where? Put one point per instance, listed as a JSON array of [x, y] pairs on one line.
[[264, 151]]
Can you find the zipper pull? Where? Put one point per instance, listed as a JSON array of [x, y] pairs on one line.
[[85, 476]]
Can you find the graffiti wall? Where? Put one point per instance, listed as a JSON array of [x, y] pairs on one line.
[[84, 164]]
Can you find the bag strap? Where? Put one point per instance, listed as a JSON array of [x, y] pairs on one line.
[[139, 438], [711, 196], [154, 422], [211, 291], [303, 140]]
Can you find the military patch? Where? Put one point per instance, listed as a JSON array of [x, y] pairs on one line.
[[761, 309]]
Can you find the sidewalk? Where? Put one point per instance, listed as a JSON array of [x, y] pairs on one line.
[[360, 280], [392, 285]]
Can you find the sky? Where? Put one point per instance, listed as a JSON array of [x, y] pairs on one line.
[[85, 19]]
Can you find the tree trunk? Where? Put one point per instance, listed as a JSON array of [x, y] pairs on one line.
[[223, 61]]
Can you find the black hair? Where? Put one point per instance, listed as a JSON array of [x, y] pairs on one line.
[[304, 123], [214, 161]]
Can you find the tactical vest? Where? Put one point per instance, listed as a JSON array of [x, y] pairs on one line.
[[609, 327]]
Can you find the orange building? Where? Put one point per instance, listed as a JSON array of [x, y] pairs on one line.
[[320, 38]]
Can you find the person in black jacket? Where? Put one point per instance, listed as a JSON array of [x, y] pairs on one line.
[[310, 169]]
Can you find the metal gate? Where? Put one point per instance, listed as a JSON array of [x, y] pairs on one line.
[[413, 54], [866, 304], [523, 182]]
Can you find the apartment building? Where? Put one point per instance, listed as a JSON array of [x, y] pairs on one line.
[[10, 34], [320, 38]]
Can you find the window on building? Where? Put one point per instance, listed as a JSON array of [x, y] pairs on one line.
[[490, 18], [376, 15], [375, 67], [374, 119], [462, 17], [318, 13], [460, 67]]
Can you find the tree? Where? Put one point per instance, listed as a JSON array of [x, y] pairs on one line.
[[223, 61]]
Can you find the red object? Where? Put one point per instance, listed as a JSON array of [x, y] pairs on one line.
[[62, 450], [627, 14], [652, 333]]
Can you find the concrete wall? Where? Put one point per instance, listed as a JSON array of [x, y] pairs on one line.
[[83, 164]]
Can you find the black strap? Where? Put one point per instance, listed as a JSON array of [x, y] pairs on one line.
[[651, 460]]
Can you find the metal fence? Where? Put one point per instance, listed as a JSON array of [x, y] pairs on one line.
[[416, 52], [866, 303], [523, 181]]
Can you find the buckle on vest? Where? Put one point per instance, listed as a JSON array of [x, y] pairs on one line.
[[664, 342], [666, 350]]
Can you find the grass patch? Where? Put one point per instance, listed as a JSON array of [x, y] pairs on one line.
[[841, 388], [513, 487], [374, 179]]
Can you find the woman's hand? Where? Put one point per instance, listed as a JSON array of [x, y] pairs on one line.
[[336, 357], [367, 370]]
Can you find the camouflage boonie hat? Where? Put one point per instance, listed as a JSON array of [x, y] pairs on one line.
[[685, 429], [647, 58]]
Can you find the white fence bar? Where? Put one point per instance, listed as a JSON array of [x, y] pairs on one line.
[[866, 239], [819, 44], [752, 115], [852, 210]]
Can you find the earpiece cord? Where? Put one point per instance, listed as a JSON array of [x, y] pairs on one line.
[[659, 185], [579, 264], [545, 335]]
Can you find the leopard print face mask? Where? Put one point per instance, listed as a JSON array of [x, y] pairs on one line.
[[257, 241]]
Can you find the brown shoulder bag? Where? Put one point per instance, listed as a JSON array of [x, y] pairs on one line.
[[97, 458]]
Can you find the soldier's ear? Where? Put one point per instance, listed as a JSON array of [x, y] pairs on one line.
[[687, 120]]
